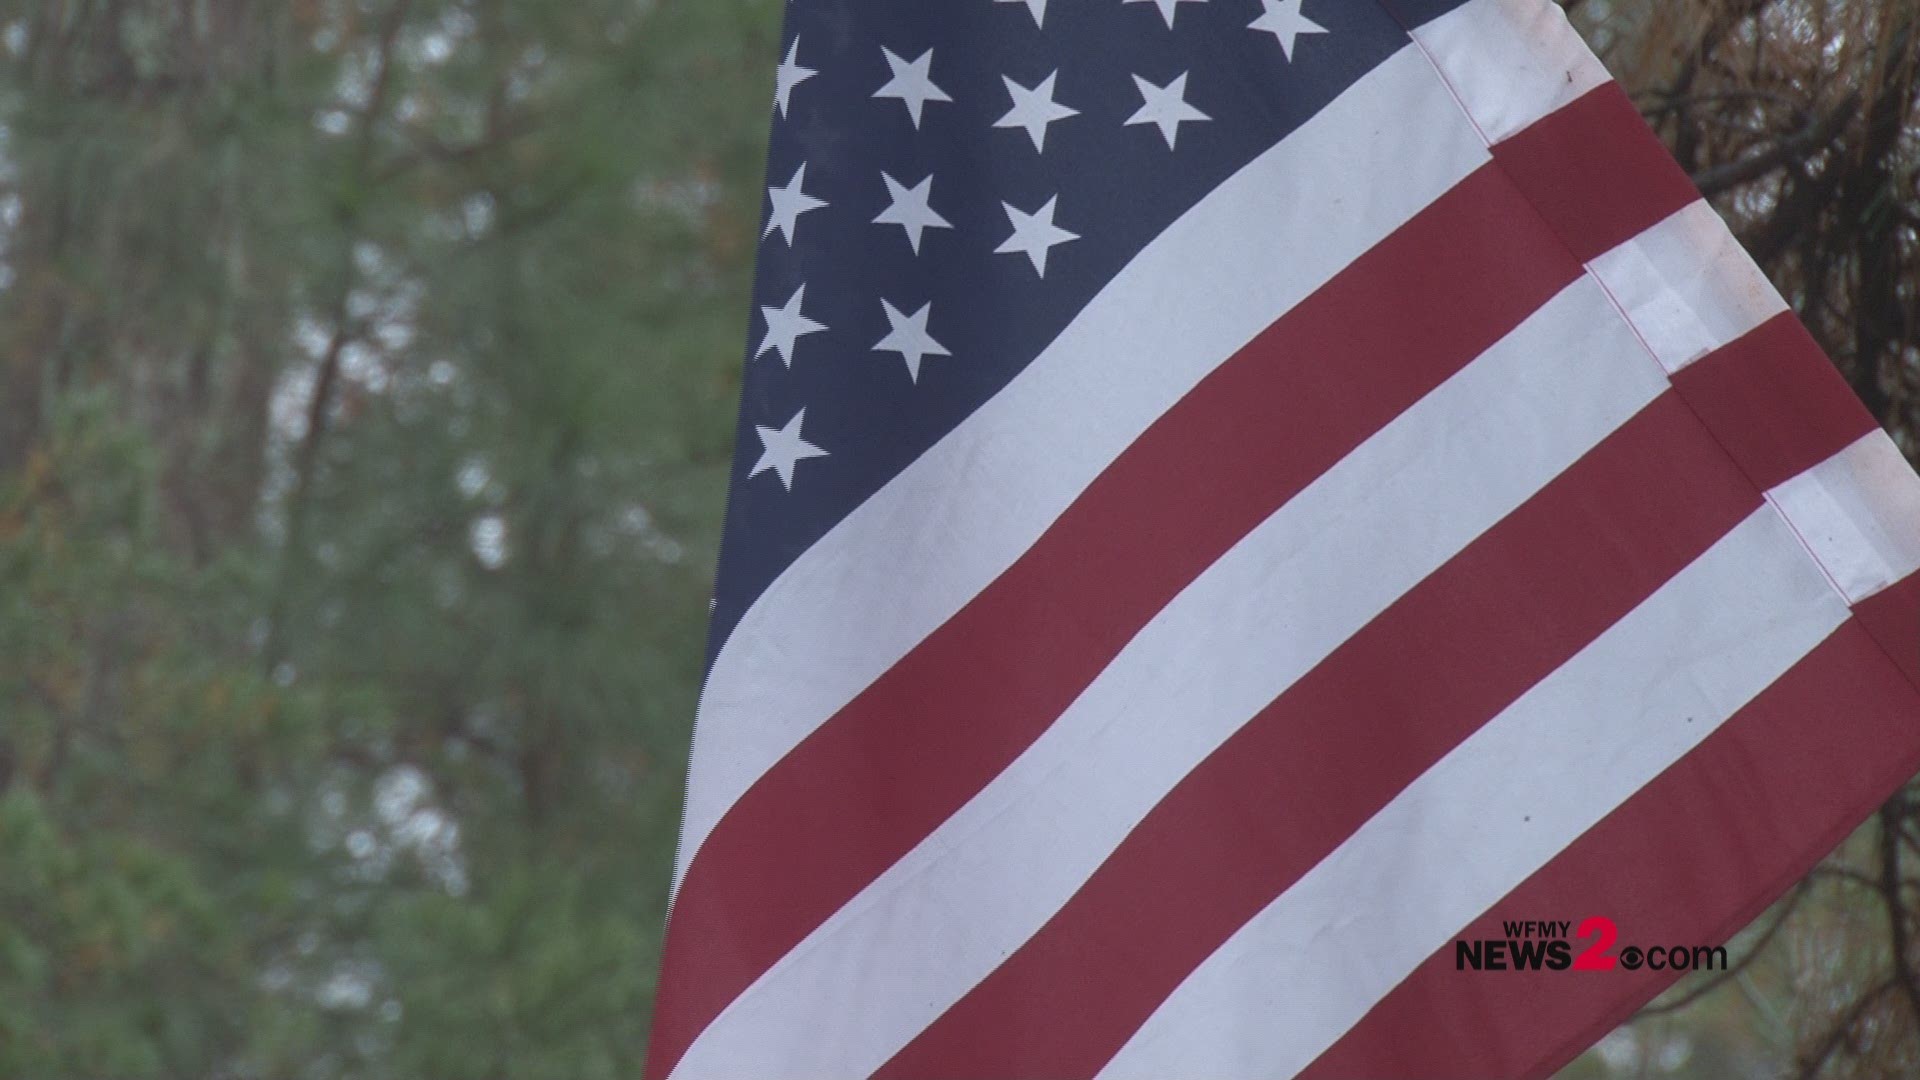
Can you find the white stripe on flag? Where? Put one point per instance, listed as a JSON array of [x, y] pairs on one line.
[[959, 516], [1688, 286], [1510, 61], [1859, 513], [937, 922], [1503, 804]]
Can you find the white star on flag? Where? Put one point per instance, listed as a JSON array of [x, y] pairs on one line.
[[788, 204], [1168, 8], [1038, 7], [1165, 107], [1033, 109], [1283, 20], [1034, 234], [789, 75], [912, 83], [910, 210], [909, 338], [785, 327], [782, 449]]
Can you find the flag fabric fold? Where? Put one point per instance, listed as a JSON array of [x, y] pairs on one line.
[[1234, 500]]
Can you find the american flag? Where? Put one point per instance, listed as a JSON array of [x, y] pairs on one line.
[[1232, 497]]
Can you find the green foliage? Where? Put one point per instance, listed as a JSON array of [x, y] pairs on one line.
[[366, 374]]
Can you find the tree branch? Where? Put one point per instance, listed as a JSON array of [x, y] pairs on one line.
[[1890, 892], [327, 381], [1816, 136]]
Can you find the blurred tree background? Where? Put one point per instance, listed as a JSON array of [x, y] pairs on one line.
[[367, 374], [367, 370]]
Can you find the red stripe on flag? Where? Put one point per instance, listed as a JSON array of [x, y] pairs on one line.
[[1893, 618], [1689, 860], [1775, 402], [928, 735], [1596, 172], [1330, 753]]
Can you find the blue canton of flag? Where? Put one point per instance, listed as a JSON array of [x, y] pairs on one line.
[[949, 183]]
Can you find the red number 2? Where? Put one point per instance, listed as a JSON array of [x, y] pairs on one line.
[[1597, 956]]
